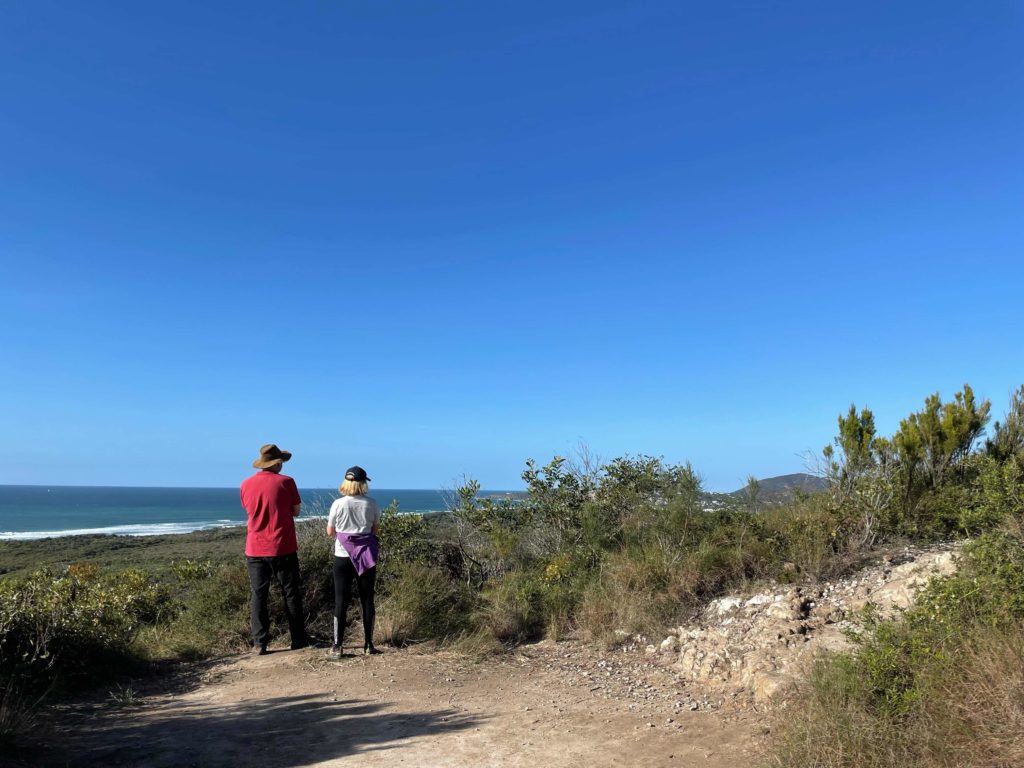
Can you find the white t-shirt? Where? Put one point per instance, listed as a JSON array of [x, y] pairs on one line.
[[352, 514]]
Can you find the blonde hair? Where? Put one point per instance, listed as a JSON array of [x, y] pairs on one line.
[[352, 488]]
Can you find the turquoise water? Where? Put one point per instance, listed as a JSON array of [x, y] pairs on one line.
[[33, 512]]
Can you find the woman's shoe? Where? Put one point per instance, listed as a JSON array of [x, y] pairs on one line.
[[369, 650]]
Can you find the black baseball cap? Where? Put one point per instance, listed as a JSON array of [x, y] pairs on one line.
[[356, 473]]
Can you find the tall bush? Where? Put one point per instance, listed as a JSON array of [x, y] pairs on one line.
[[66, 627]]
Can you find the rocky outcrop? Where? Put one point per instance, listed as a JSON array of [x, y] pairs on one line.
[[756, 646]]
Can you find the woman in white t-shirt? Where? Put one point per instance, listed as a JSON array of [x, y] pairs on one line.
[[353, 523]]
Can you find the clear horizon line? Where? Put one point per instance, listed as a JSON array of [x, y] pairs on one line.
[[230, 487]]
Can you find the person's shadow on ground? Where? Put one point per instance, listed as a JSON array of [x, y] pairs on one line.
[[274, 733]]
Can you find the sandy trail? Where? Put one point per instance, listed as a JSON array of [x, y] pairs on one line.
[[546, 705]]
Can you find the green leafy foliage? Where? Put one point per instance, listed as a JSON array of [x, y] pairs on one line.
[[1007, 438], [192, 570], [857, 446], [62, 623], [60, 628], [934, 440], [897, 699], [404, 538], [207, 616], [919, 483]]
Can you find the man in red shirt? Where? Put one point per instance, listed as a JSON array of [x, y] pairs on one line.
[[272, 502]]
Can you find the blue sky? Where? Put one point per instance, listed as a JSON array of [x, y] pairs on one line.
[[437, 239]]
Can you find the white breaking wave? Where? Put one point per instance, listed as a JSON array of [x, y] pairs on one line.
[[139, 529]]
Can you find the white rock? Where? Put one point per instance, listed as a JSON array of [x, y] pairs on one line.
[[782, 611], [765, 648], [726, 604]]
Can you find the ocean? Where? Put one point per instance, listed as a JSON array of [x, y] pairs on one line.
[[38, 512]]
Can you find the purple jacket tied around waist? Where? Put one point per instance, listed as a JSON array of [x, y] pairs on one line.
[[363, 549]]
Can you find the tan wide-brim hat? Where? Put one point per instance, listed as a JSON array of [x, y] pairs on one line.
[[270, 455]]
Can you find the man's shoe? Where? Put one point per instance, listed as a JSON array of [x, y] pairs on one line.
[[260, 650], [370, 650], [335, 652]]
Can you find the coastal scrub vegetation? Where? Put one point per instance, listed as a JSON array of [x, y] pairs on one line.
[[73, 627], [602, 550], [942, 684]]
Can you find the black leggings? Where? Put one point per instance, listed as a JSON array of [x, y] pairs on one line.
[[344, 575]]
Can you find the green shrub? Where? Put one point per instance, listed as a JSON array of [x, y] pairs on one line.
[[62, 623], [968, 714], [511, 609], [191, 570], [988, 588], [939, 685], [561, 585], [59, 628], [646, 587], [894, 655], [607, 607], [808, 533], [404, 537], [209, 616], [316, 565], [407, 539], [999, 497], [424, 604]]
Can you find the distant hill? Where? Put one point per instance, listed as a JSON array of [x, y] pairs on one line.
[[788, 483], [772, 491], [782, 488]]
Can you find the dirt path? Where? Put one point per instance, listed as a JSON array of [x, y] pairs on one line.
[[546, 705]]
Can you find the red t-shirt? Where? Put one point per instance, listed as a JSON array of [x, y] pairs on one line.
[[268, 498]]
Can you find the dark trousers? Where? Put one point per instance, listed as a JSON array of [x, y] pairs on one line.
[[344, 575], [285, 570]]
